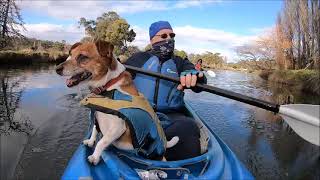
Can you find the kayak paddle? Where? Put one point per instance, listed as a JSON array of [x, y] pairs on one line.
[[302, 118]]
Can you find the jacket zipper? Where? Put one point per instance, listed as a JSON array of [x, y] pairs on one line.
[[156, 91]]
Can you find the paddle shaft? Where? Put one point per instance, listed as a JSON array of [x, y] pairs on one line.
[[221, 92]]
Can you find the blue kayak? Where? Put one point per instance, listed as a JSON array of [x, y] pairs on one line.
[[216, 162]]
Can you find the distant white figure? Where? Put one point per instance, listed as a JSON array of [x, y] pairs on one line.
[[211, 73]]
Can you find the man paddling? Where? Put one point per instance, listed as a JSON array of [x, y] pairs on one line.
[[167, 97]]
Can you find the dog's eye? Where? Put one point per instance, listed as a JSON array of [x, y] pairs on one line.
[[81, 58]]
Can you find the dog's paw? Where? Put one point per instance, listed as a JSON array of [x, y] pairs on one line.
[[88, 142], [93, 159]]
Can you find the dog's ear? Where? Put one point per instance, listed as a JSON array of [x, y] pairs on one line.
[[74, 46], [104, 48]]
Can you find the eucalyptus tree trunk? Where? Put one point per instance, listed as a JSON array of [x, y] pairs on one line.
[[318, 34], [5, 19], [298, 29]]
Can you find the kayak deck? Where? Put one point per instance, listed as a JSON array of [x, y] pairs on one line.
[[218, 162]]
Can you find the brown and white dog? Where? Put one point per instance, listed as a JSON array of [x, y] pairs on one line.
[[95, 64]]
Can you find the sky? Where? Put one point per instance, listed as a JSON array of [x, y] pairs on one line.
[[200, 26]]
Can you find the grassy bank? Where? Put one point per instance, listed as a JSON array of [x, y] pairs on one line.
[[27, 57], [305, 80], [226, 67]]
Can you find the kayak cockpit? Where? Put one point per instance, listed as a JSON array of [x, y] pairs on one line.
[[186, 168]]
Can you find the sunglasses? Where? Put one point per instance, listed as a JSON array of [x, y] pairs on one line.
[[164, 36]]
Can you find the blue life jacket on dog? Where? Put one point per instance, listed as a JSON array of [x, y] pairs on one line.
[[162, 94], [147, 134]]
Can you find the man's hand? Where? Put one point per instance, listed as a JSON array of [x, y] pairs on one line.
[[189, 79]]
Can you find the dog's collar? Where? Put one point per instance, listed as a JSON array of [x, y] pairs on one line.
[[100, 89]]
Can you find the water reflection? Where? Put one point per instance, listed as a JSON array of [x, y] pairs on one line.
[[14, 126], [284, 94], [51, 116], [10, 96]]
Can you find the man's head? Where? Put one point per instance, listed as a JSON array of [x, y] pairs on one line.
[[162, 39], [160, 31]]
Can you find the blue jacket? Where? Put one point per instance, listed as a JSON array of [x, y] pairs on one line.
[[163, 95]]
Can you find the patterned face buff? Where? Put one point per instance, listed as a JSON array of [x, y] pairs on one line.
[[163, 49]]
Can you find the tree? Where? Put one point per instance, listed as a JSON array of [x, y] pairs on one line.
[[127, 52], [118, 33], [86, 39], [109, 27], [281, 44], [294, 43], [259, 53], [214, 60], [209, 59], [58, 46], [301, 24], [10, 22], [181, 53], [130, 50], [148, 47]]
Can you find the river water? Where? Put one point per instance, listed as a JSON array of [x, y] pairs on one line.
[[42, 124]]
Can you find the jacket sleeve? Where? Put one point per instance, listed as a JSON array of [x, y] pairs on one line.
[[185, 64]]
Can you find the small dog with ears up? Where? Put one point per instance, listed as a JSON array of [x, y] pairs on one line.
[[131, 124]]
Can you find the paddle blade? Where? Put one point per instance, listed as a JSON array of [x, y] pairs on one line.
[[304, 120]]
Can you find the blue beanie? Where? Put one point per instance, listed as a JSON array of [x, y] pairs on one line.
[[157, 26]]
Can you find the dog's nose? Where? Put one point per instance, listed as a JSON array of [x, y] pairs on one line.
[[59, 70]]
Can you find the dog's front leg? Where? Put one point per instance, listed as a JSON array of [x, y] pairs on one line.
[[93, 137], [112, 127]]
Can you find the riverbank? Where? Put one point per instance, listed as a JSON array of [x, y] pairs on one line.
[[304, 80], [28, 57], [226, 67]]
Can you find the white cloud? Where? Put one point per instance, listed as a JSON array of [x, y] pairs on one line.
[[54, 32], [188, 38], [261, 30], [199, 40], [212, 36], [65, 9], [92, 9], [142, 37], [186, 4]]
